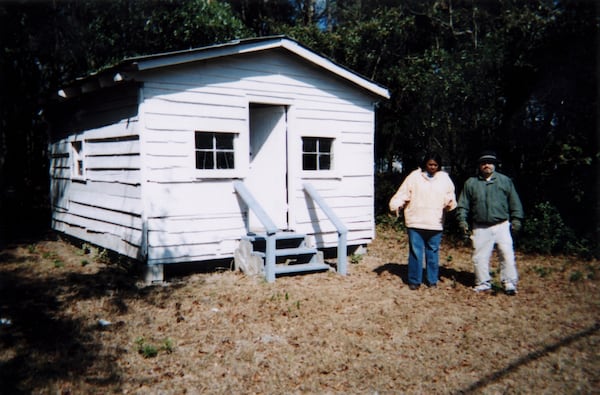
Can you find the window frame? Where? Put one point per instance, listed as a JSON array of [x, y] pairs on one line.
[[333, 171], [77, 156], [216, 172]]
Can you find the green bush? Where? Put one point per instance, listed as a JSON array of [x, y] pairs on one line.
[[545, 232]]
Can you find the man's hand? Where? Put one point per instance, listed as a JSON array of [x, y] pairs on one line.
[[515, 227], [464, 227]]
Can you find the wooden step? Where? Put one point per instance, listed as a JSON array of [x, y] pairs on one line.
[[301, 267]]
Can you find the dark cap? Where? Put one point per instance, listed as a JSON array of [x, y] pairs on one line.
[[487, 156]]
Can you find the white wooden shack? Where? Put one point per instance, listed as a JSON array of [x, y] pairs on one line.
[[185, 156]]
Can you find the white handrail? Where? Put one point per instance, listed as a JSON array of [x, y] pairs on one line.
[[339, 225]]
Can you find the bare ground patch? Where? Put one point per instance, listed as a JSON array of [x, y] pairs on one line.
[[365, 333]]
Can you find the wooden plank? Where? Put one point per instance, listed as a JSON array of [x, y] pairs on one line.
[[207, 222], [195, 110], [192, 199], [121, 204], [122, 128], [185, 163], [127, 147], [99, 214], [191, 253], [131, 162], [60, 172], [185, 93], [132, 177], [166, 239], [108, 189], [157, 138], [104, 240], [181, 123], [132, 236]]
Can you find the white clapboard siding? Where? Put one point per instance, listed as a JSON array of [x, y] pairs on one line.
[[191, 109], [190, 214], [106, 162], [191, 94], [124, 128], [107, 190], [132, 177], [166, 239], [107, 216], [120, 204], [159, 141], [105, 240], [192, 199], [347, 186], [91, 226], [304, 215], [116, 147], [172, 122], [330, 239], [193, 252], [59, 193], [207, 222]]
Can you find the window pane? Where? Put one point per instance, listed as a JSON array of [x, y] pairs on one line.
[[309, 162], [324, 162], [309, 144], [204, 160], [204, 140], [224, 140], [225, 160], [325, 145]]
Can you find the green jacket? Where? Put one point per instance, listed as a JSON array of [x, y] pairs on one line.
[[489, 202]]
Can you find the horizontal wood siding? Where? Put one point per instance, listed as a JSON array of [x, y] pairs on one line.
[[193, 221], [105, 207], [191, 218]]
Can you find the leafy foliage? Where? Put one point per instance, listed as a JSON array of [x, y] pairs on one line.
[[519, 77]]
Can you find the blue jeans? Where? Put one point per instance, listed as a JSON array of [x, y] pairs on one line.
[[428, 241]]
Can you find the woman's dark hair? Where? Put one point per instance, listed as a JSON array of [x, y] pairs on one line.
[[429, 156]]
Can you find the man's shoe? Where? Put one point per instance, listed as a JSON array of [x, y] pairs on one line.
[[413, 287], [483, 287], [510, 289]]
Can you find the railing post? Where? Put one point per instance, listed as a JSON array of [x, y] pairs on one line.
[[342, 265], [270, 228], [270, 258]]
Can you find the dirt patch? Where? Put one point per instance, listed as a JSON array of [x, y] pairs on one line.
[[75, 322]]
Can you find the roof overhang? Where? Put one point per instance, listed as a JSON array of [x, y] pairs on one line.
[[117, 74]]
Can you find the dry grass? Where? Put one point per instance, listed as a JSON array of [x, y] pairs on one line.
[[366, 333]]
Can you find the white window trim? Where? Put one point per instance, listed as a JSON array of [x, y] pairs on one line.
[[238, 157], [334, 172], [77, 155]]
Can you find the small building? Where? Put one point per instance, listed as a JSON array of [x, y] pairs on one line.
[[182, 156]]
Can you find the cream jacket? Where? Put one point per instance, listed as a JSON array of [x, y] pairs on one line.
[[424, 200]]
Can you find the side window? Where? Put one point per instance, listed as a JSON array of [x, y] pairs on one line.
[[77, 160], [215, 150], [317, 153]]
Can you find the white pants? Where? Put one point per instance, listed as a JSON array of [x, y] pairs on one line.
[[484, 239]]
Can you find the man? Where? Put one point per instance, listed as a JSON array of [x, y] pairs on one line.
[[491, 201]]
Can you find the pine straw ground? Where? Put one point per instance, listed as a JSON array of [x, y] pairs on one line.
[[221, 332]]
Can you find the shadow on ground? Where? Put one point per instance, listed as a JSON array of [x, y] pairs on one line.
[[41, 344], [401, 270]]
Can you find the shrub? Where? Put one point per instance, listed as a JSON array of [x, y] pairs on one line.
[[545, 232]]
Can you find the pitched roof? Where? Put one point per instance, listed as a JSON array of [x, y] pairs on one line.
[[148, 62]]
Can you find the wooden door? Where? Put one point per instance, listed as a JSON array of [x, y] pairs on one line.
[[267, 177]]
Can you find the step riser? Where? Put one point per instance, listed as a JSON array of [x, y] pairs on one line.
[[291, 253]]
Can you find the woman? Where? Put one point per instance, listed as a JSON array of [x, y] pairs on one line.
[[425, 195]]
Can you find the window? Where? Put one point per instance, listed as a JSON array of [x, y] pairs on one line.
[[77, 165], [215, 150], [317, 153]]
